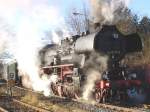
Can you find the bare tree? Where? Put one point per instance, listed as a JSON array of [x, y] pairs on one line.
[[78, 21], [144, 26]]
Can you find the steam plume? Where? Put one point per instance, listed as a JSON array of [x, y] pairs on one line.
[[6, 35], [108, 11], [95, 66], [28, 20], [92, 77]]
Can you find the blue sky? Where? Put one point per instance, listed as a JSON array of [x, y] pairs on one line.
[[65, 5], [140, 7], [41, 13], [15, 10]]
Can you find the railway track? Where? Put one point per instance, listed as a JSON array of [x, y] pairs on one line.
[[74, 103], [14, 105]]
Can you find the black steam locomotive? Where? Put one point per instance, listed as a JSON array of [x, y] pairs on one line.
[[69, 62]]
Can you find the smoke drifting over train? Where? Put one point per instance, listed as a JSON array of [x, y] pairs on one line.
[[23, 35], [94, 68], [108, 11]]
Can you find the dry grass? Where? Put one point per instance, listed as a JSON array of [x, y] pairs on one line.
[[3, 90], [32, 99], [58, 108]]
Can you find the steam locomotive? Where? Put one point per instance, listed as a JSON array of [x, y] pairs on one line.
[[69, 61]]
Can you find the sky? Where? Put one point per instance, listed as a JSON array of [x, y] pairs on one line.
[[140, 7], [14, 13], [64, 6]]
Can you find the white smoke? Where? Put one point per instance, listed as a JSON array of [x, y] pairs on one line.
[[108, 11], [5, 36], [92, 77], [56, 39], [30, 19], [95, 66]]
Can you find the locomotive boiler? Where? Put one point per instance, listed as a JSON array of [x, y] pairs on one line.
[[68, 62]]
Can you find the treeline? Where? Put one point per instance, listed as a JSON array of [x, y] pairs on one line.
[[141, 25], [129, 23]]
